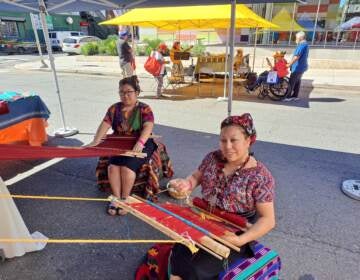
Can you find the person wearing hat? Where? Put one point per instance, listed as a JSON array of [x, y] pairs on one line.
[[280, 66], [125, 54], [159, 56], [232, 180]]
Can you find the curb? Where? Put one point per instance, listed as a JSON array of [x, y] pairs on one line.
[[144, 75]]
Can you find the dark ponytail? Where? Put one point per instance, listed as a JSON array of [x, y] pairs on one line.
[[132, 81]]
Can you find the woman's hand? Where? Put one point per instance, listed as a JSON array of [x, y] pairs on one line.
[[181, 185], [92, 143], [138, 147], [233, 238]]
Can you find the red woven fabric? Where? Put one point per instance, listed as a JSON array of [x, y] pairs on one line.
[[231, 217], [111, 146], [168, 221]]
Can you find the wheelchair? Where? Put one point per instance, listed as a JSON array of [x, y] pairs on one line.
[[275, 91]]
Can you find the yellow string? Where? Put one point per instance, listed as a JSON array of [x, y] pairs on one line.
[[53, 197], [68, 241]]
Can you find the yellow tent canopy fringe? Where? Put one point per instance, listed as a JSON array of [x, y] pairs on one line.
[[191, 17]]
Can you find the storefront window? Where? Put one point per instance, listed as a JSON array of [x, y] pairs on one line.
[[8, 29]]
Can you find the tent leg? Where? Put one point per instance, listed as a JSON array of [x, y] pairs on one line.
[[44, 65], [224, 98], [231, 63], [315, 23], [255, 44], [64, 131], [292, 24]]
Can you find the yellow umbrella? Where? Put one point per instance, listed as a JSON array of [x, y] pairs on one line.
[[283, 20], [190, 17]]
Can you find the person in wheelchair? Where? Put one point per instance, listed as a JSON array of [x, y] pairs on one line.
[[279, 66]]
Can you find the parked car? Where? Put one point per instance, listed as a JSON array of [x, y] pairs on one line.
[[19, 47], [73, 44], [57, 37]]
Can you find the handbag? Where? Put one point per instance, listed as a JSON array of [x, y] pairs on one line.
[[4, 108], [272, 77], [152, 66]]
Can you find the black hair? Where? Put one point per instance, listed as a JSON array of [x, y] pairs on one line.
[[132, 81]]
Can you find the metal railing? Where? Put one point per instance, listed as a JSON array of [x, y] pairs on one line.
[[323, 38]]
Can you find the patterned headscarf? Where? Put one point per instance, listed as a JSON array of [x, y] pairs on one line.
[[245, 121]]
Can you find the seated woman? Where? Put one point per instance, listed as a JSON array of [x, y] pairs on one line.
[[234, 181], [238, 60], [127, 117], [177, 69], [279, 66]]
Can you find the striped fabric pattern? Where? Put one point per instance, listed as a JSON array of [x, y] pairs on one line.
[[265, 265]]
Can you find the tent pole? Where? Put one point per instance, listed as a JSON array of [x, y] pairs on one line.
[[64, 131], [44, 65], [231, 63], [292, 23], [224, 98], [315, 23], [255, 44], [356, 38], [343, 16]]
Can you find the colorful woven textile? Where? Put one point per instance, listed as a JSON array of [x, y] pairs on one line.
[[24, 109], [265, 265], [147, 180]]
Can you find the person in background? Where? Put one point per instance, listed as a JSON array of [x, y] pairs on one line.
[[159, 56], [298, 65], [177, 69], [280, 66], [125, 54], [238, 59]]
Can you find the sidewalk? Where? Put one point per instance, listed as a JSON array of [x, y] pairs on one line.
[[326, 76]]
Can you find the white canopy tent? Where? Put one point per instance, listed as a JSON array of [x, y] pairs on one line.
[[61, 6]]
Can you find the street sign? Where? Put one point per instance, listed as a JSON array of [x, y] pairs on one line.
[[37, 22]]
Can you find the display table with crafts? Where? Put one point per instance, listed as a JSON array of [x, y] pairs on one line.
[[24, 119]]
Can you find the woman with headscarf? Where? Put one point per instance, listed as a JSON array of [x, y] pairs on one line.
[[234, 181]]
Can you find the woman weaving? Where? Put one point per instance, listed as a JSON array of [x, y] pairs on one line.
[[234, 181], [132, 118]]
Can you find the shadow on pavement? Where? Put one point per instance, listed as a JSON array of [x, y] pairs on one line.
[[310, 207]]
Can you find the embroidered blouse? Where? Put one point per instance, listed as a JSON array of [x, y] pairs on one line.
[[133, 124], [238, 192]]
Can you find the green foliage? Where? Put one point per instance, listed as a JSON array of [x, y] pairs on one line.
[[109, 45], [198, 49], [151, 45], [90, 49], [104, 47], [140, 49]]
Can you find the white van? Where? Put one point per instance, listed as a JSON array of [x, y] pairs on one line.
[[57, 37]]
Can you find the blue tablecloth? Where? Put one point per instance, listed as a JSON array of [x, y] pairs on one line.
[[24, 109]]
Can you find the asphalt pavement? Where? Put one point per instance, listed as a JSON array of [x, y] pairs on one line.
[[310, 146]]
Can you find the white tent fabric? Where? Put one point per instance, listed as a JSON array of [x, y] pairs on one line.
[[12, 226], [355, 21]]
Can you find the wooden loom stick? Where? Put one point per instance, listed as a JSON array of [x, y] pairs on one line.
[[152, 222], [203, 244], [128, 153], [119, 137], [192, 224]]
